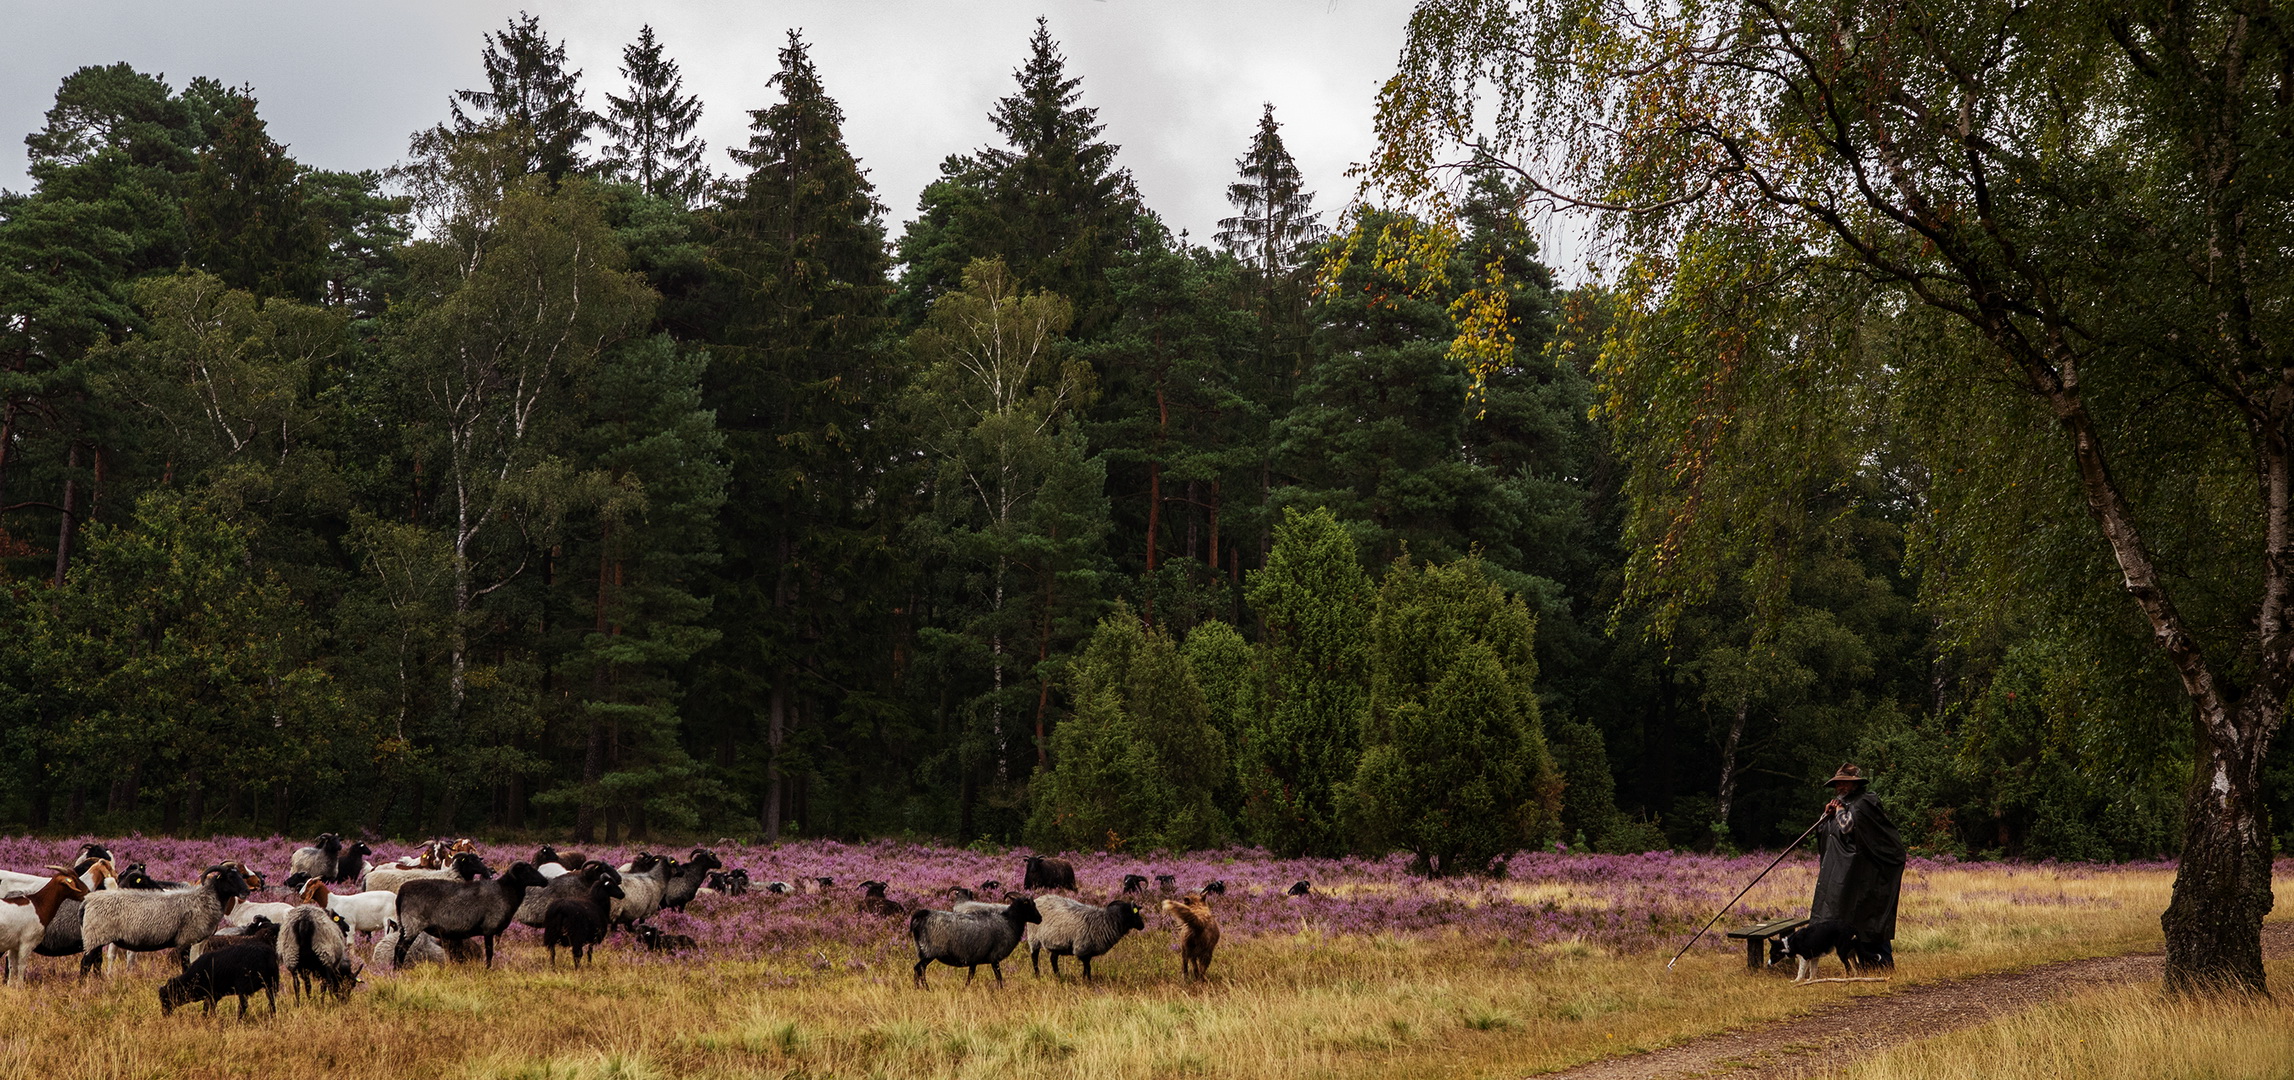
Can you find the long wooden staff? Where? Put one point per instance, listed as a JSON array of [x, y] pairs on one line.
[[1740, 892]]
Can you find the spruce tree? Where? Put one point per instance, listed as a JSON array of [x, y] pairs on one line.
[[528, 87], [797, 305], [1051, 203], [653, 144], [1275, 222], [1304, 741], [246, 213]]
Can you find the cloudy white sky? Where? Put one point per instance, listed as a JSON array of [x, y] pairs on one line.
[[1177, 82]]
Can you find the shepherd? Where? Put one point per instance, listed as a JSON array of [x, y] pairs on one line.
[[1861, 869]]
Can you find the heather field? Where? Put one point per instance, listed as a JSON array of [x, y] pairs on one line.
[[1375, 973]]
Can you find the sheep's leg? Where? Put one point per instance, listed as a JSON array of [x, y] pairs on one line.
[[489, 952], [1035, 960], [921, 964], [998, 968], [1055, 963], [1086, 966]]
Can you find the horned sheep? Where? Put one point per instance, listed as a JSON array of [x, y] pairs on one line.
[[967, 939], [1074, 928]]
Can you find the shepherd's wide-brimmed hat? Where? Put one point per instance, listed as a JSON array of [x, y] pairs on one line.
[[1848, 773]]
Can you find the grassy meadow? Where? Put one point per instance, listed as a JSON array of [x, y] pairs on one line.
[[1375, 974]]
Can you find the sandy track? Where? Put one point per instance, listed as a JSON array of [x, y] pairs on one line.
[[1856, 1027]]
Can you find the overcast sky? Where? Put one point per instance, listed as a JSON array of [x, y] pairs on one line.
[[1178, 83]]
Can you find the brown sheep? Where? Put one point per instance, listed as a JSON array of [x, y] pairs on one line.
[[1200, 937]]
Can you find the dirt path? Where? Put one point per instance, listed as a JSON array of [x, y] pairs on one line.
[[1858, 1027]]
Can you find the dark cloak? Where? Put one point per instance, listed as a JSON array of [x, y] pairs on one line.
[[1862, 869]]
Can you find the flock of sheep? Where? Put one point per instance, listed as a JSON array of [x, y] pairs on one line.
[[439, 901]]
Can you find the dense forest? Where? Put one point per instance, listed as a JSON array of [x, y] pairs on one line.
[[564, 479]]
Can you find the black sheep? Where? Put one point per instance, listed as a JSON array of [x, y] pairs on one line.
[[1043, 873], [874, 902], [1134, 883], [1215, 887], [656, 939], [1300, 889], [1167, 882], [239, 970], [579, 922]]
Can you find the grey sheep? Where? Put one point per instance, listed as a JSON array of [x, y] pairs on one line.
[[687, 877], [458, 910], [317, 860], [1074, 928], [146, 921], [312, 945], [967, 939], [421, 949], [644, 883], [571, 886]]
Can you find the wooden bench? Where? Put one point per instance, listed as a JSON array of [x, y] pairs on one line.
[[1755, 937]]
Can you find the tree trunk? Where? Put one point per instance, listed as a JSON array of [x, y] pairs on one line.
[[1214, 549], [776, 721], [2222, 887], [1728, 770], [64, 521]]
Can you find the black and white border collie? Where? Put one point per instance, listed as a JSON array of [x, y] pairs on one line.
[[1811, 943]]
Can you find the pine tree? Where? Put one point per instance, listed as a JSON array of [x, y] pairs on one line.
[[1275, 221], [528, 87], [1454, 766], [652, 128], [246, 212], [800, 284], [1304, 741]]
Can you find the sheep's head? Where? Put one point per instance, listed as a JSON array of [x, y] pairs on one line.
[[359, 850], [175, 993], [93, 851], [227, 882], [545, 854], [1023, 909], [469, 867], [523, 873], [703, 857], [1127, 915]]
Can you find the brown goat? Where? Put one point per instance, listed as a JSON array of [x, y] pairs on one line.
[[1200, 937]]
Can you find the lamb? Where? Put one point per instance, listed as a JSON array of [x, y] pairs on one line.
[[655, 939], [1200, 936], [1042, 873], [564, 887], [143, 921], [644, 882], [686, 879], [24, 920], [420, 949], [729, 882], [579, 923], [240, 970], [457, 910], [464, 867], [364, 912], [1074, 928], [967, 939]]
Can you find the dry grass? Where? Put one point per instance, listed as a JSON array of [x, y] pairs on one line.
[[2125, 1033], [1308, 1004]]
